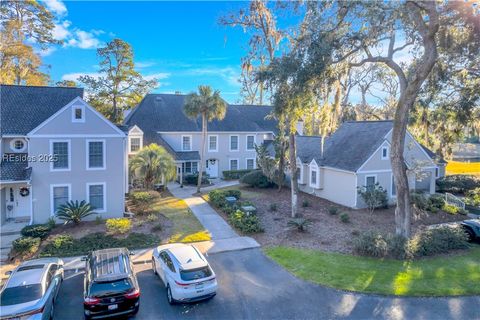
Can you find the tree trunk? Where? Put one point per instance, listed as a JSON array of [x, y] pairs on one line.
[[114, 110], [281, 166], [293, 173], [202, 151]]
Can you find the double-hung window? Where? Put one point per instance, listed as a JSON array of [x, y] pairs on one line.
[[250, 164], [370, 182], [313, 178], [233, 143], [233, 164], [60, 195], [60, 151], [212, 143], [385, 153], [134, 144], [250, 143], [186, 143], [96, 196], [95, 154]]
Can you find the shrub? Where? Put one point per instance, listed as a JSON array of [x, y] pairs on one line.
[[458, 183], [217, 198], [371, 244], [235, 174], [152, 217], [256, 179], [333, 210], [36, 231], [451, 209], [374, 197], [233, 193], [51, 223], [62, 241], [74, 211], [118, 225], [301, 224], [437, 241], [157, 227], [192, 179], [305, 203], [419, 201], [98, 220], [273, 207], [142, 200], [244, 222], [435, 202], [26, 245], [472, 197], [345, 218]]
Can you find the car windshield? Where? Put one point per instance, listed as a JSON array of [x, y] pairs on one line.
[[20, 294], [195, 274], [102, 289]]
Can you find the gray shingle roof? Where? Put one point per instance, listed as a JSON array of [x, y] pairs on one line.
[[13, 170], [177, 155], [164, 112], [348, 148], [22, 108]]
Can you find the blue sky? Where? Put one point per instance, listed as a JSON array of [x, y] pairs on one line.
[[181, 43]]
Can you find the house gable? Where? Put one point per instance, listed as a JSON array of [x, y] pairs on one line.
[[64, 123], [414, 154], [377, 161]]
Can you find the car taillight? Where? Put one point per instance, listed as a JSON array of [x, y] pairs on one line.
[[36, 311], [89, 301], [182, 284], [133, 294]]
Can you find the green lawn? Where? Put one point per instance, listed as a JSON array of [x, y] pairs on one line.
[[439, 276]]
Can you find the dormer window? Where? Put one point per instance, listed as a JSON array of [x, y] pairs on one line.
[[78, 114], [385, 153]]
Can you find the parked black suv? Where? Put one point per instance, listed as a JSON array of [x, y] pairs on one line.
[[110, 285]]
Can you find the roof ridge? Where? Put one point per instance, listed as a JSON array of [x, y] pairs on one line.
[[29, 86], [367, 121]]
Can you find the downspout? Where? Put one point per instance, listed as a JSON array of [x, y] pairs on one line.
[[30, 184]]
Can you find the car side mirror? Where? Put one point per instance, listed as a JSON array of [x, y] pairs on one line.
[[131, 253], [8, 273]]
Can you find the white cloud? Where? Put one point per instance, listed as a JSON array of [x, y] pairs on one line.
[[56, 6], [47, 51], [158, 76], [144, 64], [83, 40], [60, 31], [230, 74], [74, 76]]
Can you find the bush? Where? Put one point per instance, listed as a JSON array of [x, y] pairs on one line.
[[374, 197], [74, 211], [451, 209], [51, 223], [273, 207], [98, 220], [371, 244], [305, 203], [217, 198], [472, 197], [333, 210], [62, 241], [437, 241], [233, 193], [25, 246], [142, 200], [419, 201], [157, 228], [192, 179], [152, 217], [436, 202], [301, 224], [36, 231], [458, 183], [245, 223], [345, 218], [235, 174], [256, 179], [118, 225]]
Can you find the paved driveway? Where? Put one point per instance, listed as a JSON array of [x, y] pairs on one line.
[[251, 286]]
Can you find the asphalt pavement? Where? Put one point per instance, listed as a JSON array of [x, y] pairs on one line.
[[251, 286]]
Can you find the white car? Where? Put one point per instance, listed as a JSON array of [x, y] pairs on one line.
[[185, 272], [31, 289]]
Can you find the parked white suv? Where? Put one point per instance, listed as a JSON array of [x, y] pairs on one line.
[[185, 272]]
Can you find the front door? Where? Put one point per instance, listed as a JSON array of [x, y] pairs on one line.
[[17, 205], [212, 168]]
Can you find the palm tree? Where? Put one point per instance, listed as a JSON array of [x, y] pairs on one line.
[[209, 105], [152, 164]]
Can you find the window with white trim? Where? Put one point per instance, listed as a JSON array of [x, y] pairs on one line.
[[96, 196], [250, 143], [78, 114], [370, 182], [250, 164], [313, 177], [135, 144], [385, 153], [60, 196], [213, 143], [233, 143], [186, 143], [300, 174], [233, 164], [96, 154], [437, 172], [190, 167], [60, 153]]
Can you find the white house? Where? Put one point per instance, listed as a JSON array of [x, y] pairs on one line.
[[55, 147]]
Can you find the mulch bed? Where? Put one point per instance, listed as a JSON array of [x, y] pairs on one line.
[[326, 232]]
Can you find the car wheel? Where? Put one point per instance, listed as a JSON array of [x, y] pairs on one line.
[[470, 234], [154, 267], [169, 295]]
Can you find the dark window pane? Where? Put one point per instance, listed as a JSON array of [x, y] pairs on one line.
[[20, 294], [60, 151], [95, 154], [96, 196], [99, 289], [195, 274]]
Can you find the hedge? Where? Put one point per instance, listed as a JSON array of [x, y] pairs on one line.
[[235, 174], [458, 183]]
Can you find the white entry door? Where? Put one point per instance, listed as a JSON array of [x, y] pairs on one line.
[[212, 168], [17, 205]]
